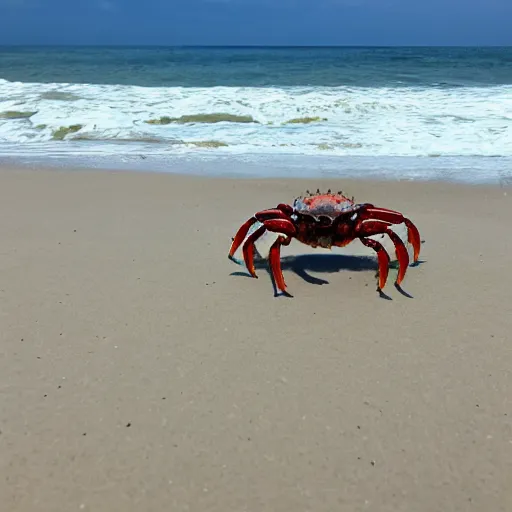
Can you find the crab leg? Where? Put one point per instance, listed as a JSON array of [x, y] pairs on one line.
[[383, 257], [275, 213], [248, 250], [275, 263], [401, 254], [375, 227], [240, 236], [413, 235], [282, 226], [414, 239]]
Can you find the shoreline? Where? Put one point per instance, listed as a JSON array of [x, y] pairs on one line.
[[304, 181], [486, 171], [141, 369]]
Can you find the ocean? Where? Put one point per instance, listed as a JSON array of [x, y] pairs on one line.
[[413, 113]]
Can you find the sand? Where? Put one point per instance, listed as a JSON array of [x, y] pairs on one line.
[[141, 370]]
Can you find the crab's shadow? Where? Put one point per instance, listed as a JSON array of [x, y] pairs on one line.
[[302, 265]]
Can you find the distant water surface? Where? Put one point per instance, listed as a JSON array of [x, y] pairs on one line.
[[340, 104]]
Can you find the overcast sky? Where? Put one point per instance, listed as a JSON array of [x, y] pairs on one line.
[[257, 22]]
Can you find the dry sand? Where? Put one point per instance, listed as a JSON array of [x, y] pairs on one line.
[[137, 373]]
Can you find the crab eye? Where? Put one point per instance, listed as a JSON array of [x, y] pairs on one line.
[[354, 217]]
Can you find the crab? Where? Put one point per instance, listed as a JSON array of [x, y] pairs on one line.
[[326, 220]]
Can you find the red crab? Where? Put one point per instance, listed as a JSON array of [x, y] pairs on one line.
[[327, 220]]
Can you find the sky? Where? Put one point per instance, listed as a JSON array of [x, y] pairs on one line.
[[256, 22]]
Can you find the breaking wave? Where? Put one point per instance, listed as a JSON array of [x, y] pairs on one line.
[[356, 121]]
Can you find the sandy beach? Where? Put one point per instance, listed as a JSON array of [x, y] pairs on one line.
[[141, 370]]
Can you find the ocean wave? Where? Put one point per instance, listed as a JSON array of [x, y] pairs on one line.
[[464, 121]]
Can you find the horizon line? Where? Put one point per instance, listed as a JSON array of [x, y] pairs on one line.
[[241, 46]]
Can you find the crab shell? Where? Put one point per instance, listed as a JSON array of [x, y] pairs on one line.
[[324, 206]]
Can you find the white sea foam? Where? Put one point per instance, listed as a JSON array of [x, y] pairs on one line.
[[470, 121]]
